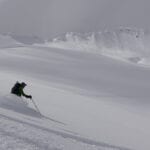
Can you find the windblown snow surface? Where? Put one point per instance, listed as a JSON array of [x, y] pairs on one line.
[[92, 89]]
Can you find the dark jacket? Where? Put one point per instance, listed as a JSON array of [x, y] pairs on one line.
[[17, 89]]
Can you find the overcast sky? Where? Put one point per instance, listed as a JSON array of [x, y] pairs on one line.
[[53, 17]]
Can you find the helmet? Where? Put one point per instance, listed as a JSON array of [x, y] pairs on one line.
[[23, 84]]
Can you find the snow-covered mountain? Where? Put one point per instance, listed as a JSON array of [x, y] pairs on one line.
[[88, 101], [124, 44]]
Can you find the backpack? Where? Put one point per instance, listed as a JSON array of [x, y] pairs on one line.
[[15, 88]]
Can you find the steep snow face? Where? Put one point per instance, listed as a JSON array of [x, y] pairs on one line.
[[92, 95], [125, 44], [21, 127], [91, 101]]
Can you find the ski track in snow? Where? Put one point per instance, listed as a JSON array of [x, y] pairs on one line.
[[16, 134]]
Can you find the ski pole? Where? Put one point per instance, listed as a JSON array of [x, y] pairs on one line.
[[35, 106]]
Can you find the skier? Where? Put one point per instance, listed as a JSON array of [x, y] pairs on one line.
[[17, 89]]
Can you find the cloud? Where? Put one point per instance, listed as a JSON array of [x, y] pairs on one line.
[[52, 17]]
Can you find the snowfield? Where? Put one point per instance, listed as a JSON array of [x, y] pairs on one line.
[[89, 101]]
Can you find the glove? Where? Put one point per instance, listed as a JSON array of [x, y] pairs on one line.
[[29, 96]]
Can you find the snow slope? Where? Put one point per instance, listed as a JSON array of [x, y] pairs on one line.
[[91, 101], [125, 44]]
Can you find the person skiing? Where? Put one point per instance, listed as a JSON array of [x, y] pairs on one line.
[[17, 89]]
